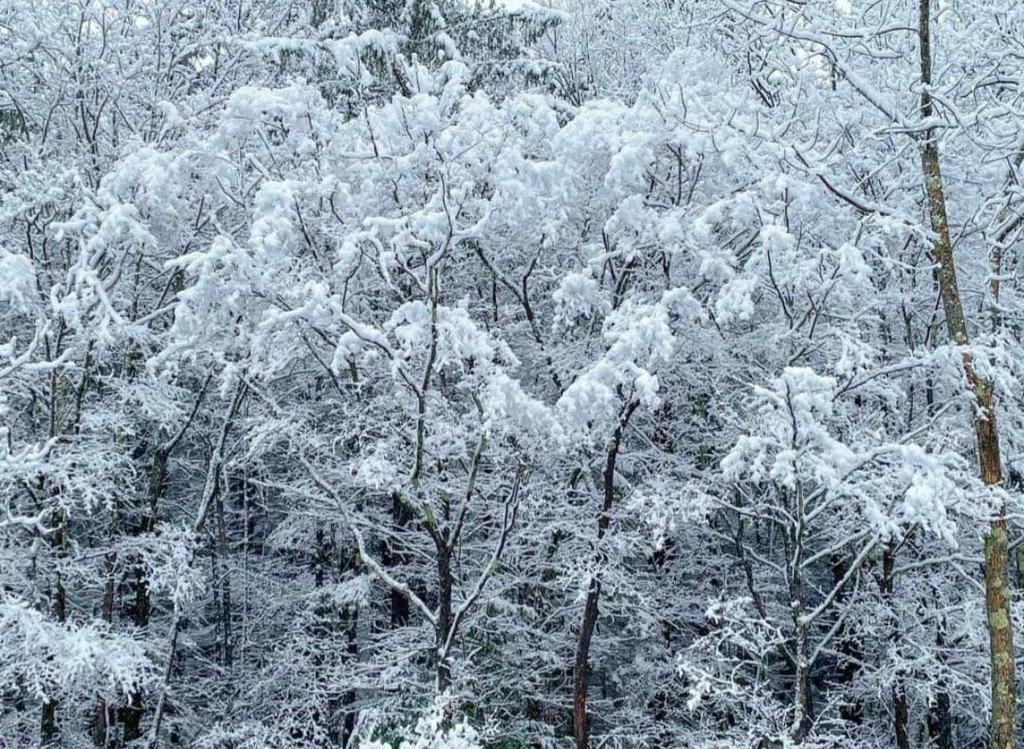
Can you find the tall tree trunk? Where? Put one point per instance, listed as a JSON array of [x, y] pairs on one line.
[[223, 582], [350, 621], [850, 649], [392, 556], [581, 665], [997, 593], [102, 719], [444, 617], [901, 711], [211, 495], [940, 720], [802, 683], [323, 626], [131, 715], [49, 729]]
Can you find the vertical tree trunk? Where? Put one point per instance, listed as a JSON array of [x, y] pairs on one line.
[[901, 711], [997, 594], [802, 723], [131, 716], [102, 719], [350, 621], [157, 484], [802, 683], [211, 495], [940, 722], [850, 649], [444, 616], [581, 667], [224, 584], [323, 625], [581, 664], [48, 723], [391, 556], [940, 717], [49, 730]]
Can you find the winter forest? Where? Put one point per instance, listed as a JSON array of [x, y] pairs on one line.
[[466, 374]]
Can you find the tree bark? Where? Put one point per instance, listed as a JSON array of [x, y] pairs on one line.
[[997, 594], [444, 617], [850, 649], [900, 709], [223, 582], [102, 718], [940, 723], [392, 556], [131, 716], [581, 666], [802, 696], [49, 729], [350, 621]]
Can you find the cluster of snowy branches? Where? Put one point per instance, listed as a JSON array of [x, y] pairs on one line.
[[434, 374]]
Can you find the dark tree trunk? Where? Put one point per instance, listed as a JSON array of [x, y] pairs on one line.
[[900, 709], [581, 664], [103, 716], [444, 616], [940, 724], [131, 715], [350, 621], [851, 650], [223, 584], [581, 667], [324, 623], [392, 556], [49, 728]]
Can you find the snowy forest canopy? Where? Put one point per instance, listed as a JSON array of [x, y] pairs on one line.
[[449, 374]]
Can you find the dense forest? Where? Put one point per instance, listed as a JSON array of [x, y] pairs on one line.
[[458, 374]]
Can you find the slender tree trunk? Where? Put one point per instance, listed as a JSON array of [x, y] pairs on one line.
[[224, 585], [102, 719], [157, 484], [850, 649], [131, 715], [997, 593], [48, 724], [49, 729], [211, 495], [940, 722], [323, 625], [581, 665], [802, 724], [802, 683], [900, 709], [444, 617], [391, 556], [350, 620]]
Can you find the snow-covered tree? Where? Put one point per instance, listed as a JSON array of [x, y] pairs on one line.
[[471, 374]]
